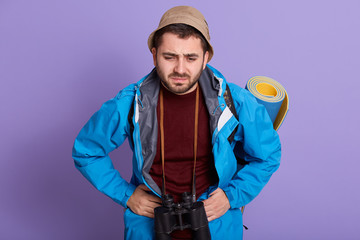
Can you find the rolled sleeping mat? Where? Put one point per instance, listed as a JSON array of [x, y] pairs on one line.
[[272, 95]]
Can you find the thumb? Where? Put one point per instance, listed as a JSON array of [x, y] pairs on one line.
[[216, 191]]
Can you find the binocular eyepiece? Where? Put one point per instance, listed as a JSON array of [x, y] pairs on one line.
[[179, 216]]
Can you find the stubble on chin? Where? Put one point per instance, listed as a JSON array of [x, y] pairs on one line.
[[178, 88]]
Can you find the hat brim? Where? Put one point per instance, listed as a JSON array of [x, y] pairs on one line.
[[151, 37]]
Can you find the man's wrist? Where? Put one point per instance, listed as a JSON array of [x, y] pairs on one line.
[[129, 191], [230, 197]]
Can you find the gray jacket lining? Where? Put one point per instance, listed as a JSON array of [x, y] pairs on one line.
[[149, 92]]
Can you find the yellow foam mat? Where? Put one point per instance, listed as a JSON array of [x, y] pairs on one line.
[[272, 95]]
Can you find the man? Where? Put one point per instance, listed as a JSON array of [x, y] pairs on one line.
[[189, 130]]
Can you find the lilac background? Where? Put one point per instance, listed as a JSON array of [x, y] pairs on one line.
[[60, 60]]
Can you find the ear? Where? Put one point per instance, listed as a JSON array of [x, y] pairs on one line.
[[206, 58], [153, 51]]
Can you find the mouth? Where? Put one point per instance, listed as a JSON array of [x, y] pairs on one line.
[[179, 79]]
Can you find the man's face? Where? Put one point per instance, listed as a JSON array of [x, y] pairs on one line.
[[179, 62]]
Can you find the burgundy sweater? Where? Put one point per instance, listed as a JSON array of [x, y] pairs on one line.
[[179, 114]]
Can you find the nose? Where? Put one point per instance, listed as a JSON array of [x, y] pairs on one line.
[[180, 66]]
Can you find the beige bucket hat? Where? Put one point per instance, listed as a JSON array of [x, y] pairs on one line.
[[186, 15]]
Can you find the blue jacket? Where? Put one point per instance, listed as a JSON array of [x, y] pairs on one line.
[[246, 135]]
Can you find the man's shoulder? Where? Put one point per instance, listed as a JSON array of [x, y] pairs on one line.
[[122, 101], [237, 92], [241, 95], [127, 92], [126, 96], [130, 90]]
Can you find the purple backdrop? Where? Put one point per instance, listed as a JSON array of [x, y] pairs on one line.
[[60, 60]]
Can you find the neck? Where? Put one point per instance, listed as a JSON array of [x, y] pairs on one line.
[[193, 88]]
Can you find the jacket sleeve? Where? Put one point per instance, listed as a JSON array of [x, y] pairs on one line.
[[105, 131], [258, 144]]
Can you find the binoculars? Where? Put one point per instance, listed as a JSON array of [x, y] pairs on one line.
[[179, 216]]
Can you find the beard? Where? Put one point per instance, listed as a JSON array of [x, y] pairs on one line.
[[179, 88]]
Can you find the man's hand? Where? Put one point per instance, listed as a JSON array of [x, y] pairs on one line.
[[216, 205], [143, 203]]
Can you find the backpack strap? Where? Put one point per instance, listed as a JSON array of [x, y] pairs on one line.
[[230, 104]]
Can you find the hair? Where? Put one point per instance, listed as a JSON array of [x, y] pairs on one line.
[[182, 31]]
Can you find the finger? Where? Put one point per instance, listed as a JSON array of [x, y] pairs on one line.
[[207, 201], [153, 205], [214, 192], [210, 215], [153, 198], [144, 188], [211, 218], [209, 211], [212, 198], [146, 211], [206, 208], [148, 214], [149, 211], [152, 202]]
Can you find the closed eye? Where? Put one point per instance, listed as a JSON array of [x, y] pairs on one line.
[[192, 57], [169, 56]]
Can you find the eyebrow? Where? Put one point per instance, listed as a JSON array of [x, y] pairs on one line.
[[175, 55]]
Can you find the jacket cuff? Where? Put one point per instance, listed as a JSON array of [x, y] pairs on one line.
[[129, 191], [231, 197]]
